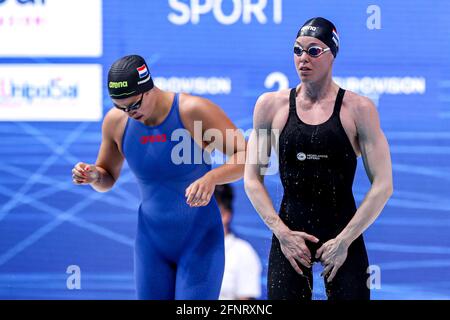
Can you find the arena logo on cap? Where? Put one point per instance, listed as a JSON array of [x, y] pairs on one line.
[[312, 28], [118, 84]]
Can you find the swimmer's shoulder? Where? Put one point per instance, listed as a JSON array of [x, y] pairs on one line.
[[358, 106], [269, 104], [195, 108], [114, 123], [192, 106]]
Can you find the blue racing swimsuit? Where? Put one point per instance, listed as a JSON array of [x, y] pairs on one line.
[[179, 250]]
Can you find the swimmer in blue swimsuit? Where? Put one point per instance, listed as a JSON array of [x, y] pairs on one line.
[[179, 249]]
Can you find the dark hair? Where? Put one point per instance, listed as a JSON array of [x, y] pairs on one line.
[[224, 196]]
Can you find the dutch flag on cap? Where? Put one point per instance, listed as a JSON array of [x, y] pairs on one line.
[[142, 70], [335, 37]]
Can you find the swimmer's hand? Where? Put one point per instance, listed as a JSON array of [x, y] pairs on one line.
[[199, 193], [295, 250], [332, 254], [83, 173]]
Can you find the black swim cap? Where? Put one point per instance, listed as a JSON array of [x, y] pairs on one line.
[[128, 77], [322, 29]]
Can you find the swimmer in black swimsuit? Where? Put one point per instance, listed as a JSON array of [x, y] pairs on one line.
[[323, 129]]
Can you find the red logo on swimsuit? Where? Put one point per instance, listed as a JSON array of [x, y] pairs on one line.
[[153, 138]]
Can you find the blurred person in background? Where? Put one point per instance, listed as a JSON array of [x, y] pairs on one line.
[[242, 275]]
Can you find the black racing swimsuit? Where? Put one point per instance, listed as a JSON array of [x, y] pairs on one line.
[[317, 168]]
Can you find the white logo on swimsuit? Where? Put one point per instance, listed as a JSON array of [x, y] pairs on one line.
[[301, 156]]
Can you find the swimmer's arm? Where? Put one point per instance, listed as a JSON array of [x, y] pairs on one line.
[[221, 134], [258, 155], [377, 163], [109, 160]]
